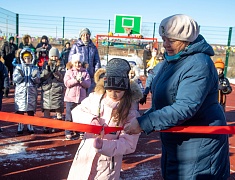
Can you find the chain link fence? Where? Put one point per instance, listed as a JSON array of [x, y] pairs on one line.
[[60, 29]]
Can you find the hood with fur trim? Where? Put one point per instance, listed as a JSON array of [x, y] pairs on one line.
[[99, 88], [27, 37], [31, 52]]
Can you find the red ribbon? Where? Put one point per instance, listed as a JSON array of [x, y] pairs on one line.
[[57, 124]]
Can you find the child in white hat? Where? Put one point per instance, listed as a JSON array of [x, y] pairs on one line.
[[52, 85], [76, 81]]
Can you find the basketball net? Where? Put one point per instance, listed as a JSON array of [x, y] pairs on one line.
[[128, 30]]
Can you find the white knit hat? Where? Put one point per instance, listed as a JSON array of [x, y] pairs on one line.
[[179, 27], [77, 57]]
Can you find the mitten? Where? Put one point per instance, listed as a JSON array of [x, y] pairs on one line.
[[57, 75], [95, 121], [79, 76], [221, 87], [143, 99], [98, 143], [34, 73], [48, 68], [21, 72]]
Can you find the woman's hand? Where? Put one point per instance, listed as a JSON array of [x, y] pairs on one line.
[[98, 143], [133, 127]]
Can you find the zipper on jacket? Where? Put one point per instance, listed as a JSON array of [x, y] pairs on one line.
[[112, 163]]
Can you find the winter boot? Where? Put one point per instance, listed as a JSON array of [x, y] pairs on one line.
[[6, 92], [20, 128]]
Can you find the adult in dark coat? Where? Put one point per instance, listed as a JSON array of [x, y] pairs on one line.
[[27, 43], [4, 83], [185, 93], [64, 55], [8, 54], [43, 45], [146, 56]]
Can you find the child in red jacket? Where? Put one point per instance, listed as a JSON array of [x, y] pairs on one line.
[[43, 57]]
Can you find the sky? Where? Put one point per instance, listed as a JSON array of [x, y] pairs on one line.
[[217, 13]]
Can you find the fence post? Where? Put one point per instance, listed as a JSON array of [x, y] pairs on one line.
[[17, 29], [63, 31], [154, 25], [228, 50], [108, 42]]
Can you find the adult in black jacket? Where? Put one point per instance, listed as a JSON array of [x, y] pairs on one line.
[[43, 45], [8, 54], [146, 56], [65, 53]]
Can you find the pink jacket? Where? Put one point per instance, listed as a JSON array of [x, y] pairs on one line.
[[91, 163], [76, 91]]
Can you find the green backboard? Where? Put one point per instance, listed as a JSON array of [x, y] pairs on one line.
[[127, 21]]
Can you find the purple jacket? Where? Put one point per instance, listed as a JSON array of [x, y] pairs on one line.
[[75, 90], [89, 54]]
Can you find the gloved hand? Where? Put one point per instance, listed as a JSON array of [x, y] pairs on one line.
[[143, 99], [221, 87], [34, 73], [98, 122], [21, 72], [79, 76], [48, 68], [57, 75], [95, 121], [98, 143]]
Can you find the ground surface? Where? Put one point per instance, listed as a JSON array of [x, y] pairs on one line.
[[49, 156]]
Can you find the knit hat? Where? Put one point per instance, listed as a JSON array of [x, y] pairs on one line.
[[11, 38], [54, 52], [77, 57], [116, 77], [219, 63], [180, 27], [27, 54], [84, 31]]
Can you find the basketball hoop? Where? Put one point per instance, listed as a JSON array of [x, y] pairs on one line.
[[128, 30]]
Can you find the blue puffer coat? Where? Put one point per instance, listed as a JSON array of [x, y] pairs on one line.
[[185, 93], [26, 85], [89, 54]]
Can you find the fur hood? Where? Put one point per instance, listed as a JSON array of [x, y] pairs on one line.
[[31, 52], [69, 65], [99, 88], [25, 37]]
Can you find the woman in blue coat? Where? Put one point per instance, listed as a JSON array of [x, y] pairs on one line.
[[185, 92], [89, 54]]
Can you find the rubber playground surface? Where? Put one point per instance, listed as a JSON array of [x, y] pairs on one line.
[[49, 156]]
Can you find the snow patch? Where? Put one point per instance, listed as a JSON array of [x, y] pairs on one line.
[[17, 151]]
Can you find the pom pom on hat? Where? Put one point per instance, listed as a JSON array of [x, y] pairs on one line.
[[116, 77], [84, 31], [180, 27], [54, 52], [76, 57], [26, 54], [219, 63]]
